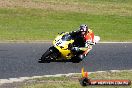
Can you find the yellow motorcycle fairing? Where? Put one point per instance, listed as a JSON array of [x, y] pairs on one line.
[[62, 45]]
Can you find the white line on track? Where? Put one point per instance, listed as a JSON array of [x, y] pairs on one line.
[[21, 79], [115, 42]]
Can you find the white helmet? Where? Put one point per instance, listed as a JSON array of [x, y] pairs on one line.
[[83, 28]]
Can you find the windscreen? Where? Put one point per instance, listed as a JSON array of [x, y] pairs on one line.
[[66, 37]]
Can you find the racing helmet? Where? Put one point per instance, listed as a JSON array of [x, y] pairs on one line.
[[83, 28]]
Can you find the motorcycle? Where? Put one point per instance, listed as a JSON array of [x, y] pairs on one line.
[[61, 49]]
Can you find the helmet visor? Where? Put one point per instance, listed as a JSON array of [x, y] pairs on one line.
[[83, 29]]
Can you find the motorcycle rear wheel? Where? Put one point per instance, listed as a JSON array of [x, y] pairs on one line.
[[75, 60]]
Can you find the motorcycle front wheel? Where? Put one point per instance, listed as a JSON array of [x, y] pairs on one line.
[[50, 55]]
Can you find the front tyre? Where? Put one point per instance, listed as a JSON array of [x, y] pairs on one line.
[[50, 55], [45, 57]]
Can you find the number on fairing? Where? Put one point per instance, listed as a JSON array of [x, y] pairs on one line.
[[58, 42]]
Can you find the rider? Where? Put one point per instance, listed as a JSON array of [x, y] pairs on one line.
[[82, 38]]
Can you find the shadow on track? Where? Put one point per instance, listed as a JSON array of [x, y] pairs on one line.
[[48, 61]]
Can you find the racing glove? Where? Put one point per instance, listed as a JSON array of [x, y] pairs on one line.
[[89, 43]]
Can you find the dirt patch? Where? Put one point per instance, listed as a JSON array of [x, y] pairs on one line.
[[48, 6], [75, 7], [31, 4], [90, 8]]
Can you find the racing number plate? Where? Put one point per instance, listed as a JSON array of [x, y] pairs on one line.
[[58, 42]]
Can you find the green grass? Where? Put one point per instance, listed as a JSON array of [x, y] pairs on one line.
[[110, 19], [72, 82]]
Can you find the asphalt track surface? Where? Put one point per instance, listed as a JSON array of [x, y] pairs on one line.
[[21, 60]]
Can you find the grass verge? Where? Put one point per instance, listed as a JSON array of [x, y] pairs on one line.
[[43, 19], [72, 81]]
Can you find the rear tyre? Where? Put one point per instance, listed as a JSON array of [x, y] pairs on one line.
[[75, 60]]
